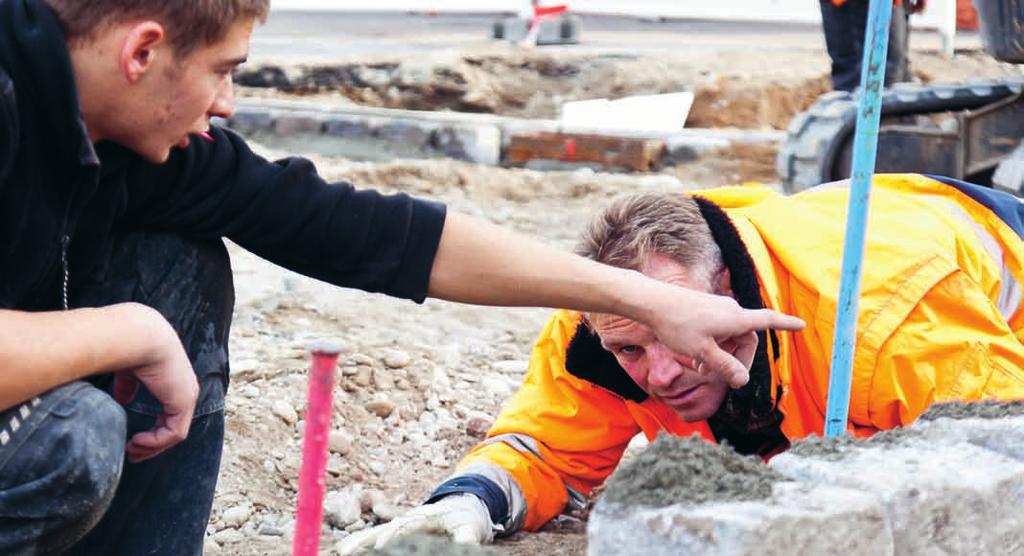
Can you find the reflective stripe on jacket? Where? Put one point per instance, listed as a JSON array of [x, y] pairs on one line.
[[940, 318]]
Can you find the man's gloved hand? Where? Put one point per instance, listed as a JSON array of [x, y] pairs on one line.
[[463, 516]]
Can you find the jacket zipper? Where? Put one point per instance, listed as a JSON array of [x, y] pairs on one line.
[[64, 242]]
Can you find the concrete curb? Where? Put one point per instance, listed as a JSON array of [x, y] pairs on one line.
[[949, 487], [479, 138]]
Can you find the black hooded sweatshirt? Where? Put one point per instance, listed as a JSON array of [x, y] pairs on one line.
[[62, 198]]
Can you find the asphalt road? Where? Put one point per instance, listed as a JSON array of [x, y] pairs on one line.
[[317, 37]]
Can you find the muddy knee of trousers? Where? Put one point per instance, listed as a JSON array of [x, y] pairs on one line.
[[61, 465], [90, 452]]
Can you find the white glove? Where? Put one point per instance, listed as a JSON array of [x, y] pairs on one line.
[[463, 516]]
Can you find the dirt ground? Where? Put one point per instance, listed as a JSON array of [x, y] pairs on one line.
[[418, 385]]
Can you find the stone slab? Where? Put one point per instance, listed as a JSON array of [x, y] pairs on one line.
[[1004, 436], [799, 518], [939, 497]]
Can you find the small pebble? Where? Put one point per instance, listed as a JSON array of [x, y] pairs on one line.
[[285, 412], [361, 359], [397, 359], [268, 527], [228, 536], [235, 517], [478, 426], [339, 442], [381, 407], [363, 376]]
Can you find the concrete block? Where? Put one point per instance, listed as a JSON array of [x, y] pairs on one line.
[[797, 519], [1004, 435], [480, 144], [250, 120], [348, 127], [940, 498], [296, 122], [408, 132]]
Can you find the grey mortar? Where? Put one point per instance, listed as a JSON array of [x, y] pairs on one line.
[[674, 470], [831, 449], [985, 409]]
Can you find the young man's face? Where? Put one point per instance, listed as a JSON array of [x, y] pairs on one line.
[[666, 376], [180, 96]]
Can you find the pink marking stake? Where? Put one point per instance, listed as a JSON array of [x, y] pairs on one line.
[[313, 473]]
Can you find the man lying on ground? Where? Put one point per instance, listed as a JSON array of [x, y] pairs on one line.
[[115, 193], [940, 318]]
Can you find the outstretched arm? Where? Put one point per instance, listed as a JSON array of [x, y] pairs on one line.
[[480, 263]]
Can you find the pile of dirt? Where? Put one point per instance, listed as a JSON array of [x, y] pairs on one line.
[[674, 470], [731, 90], [532, 85], [734, 101], [430, 545], [522, 84], [831, 449], [985, 409]]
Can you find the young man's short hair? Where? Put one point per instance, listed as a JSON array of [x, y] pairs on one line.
[[188, 23]]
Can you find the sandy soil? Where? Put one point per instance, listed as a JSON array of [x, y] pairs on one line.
[[418, 384]]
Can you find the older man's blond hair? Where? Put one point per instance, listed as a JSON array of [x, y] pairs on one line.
[[637, 226]]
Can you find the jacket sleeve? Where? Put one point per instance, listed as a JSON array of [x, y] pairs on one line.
[[554, 441], [8, 127], [285, 212], [954, 345]]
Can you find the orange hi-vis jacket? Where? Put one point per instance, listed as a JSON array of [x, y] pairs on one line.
[[841, 2], [940, 318]]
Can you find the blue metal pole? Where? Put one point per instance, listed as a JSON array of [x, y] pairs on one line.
[[865, 143]]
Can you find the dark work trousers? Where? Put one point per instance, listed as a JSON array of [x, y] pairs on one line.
[[62, 467], [845, 27]]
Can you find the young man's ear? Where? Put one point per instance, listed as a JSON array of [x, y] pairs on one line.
[[140, 47]]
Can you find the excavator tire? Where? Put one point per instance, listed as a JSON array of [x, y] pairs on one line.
[[817, 137]]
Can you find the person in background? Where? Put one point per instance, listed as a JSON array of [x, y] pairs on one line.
[[844, 23]]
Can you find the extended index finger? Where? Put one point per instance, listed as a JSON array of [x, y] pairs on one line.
[[763, 319]]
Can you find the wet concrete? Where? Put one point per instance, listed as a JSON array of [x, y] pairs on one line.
[[986, 409], [832, 448], [675, 470]]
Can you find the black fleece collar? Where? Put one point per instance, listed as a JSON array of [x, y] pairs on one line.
[[34, 53], [748, 419]]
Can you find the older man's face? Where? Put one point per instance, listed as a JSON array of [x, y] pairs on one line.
[[666, 376]]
